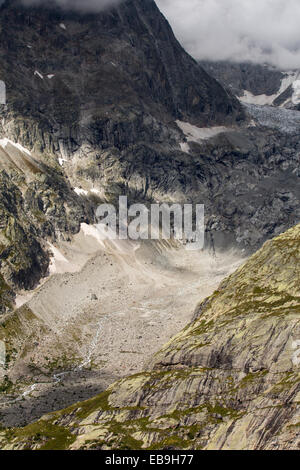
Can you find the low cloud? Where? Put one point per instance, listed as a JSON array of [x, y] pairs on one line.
[[239, 30]]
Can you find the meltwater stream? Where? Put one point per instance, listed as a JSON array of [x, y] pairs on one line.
[[144, 298], [58, 378]]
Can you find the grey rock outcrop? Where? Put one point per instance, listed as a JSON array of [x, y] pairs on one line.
[[238, 77]]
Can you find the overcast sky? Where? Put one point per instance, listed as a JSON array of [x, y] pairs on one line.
[[255, 30]]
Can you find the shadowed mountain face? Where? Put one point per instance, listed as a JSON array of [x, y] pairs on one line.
[[103, 87], [119, 61], [111, 104], [255, 78], [256, 83], [229, 380]]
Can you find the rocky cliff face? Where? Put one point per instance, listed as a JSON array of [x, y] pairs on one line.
[[78, 72], [255, 78], [229, 380], [99, 101], [37, 204], [258, 84], [93, 93]]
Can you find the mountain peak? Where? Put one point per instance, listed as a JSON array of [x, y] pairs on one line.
[[90, 55]]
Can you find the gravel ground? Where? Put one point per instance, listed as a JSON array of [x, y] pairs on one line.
[[111, 316]]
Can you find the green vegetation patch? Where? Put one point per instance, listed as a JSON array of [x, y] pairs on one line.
[[44, 435]]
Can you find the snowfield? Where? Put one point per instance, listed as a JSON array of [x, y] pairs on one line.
[[260, 100], [292, 78], [196, 134], [296, 95]]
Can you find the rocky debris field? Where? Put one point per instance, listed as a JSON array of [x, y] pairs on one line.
[[88, 328], [229, 380]]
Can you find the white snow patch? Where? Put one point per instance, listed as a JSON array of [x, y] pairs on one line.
[[38, 74], [265, 100], [81, 192], [57, 259], [4, 142], [61, 161], [252, 123], [185, 147], [2, 354], [94, 231], [108, 239], [63, 26], [96, 191], [196, 134], [296, 94], [261, 100], [287, 81], [23, 149]]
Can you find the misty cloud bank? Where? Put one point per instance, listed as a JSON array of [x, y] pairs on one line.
[[239, 30]]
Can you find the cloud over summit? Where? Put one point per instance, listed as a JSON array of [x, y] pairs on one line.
[[239, 30]]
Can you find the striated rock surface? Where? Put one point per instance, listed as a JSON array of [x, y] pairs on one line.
[[229, 380], [37, 204]]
